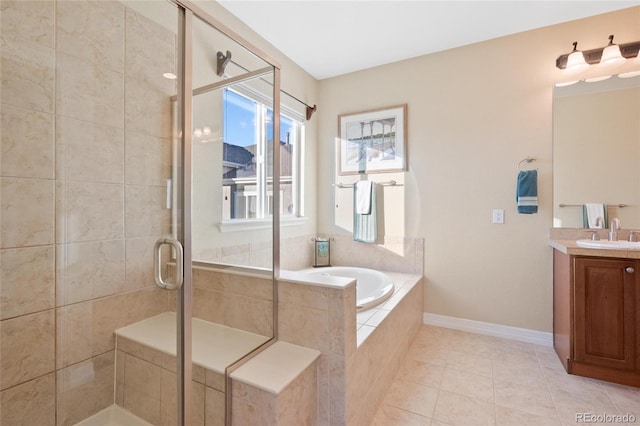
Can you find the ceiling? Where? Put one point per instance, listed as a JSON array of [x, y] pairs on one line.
[[329, 38]]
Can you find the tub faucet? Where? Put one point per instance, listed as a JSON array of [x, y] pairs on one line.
[[613, 230]]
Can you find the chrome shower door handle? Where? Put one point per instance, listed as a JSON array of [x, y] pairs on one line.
[[157, 263]]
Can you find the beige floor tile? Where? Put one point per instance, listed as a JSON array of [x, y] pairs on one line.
[[475, 344], [591, 399], [435, 422], [531, 399], [468, 384], [462, 410], [524, 359], [507, 372], [421, 372], [469, 362], [511, 383], [509, 417], [572, 384], [626, 398], [388, 415], [547, 358], [412, 397], [429, 352], [513, 347]]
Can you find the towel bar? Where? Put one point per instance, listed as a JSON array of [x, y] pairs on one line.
[[350, 185], [620, 206]]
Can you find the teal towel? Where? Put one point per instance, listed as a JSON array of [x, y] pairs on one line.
[[527, 192], [365, 226]]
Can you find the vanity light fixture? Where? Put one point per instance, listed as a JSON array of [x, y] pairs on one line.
[[611, 54], [577, 60]]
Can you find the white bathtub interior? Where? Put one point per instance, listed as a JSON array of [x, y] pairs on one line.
[[372, 287]]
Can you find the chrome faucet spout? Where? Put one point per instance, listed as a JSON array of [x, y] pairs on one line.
[[599, 222], [613, 230]]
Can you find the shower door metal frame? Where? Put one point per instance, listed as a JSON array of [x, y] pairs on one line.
[[184, 299], [187, 10]]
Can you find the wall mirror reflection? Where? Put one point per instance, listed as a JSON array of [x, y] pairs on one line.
[[596, 152]]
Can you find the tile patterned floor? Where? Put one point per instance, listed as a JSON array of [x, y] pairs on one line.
[[456, 378]]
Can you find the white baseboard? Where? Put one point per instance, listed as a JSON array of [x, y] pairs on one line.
[[489, 329]]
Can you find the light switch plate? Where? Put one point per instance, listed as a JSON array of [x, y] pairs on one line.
[[498, 215]]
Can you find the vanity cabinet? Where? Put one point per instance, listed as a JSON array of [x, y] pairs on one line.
[[596, 318]]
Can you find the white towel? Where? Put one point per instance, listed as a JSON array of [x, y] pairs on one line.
[[365, 226], [363, 196], [594, 211]]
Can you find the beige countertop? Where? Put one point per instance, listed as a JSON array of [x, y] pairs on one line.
[[570, 247]]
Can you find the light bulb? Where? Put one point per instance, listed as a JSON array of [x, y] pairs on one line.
[[611, 55], [575, 61]]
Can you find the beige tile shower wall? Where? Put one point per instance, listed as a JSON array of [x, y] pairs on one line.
[[393, 254], [84, 153], [296, 252], [146, 386], [236, 300]]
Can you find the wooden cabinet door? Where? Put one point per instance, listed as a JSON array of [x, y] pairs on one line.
[[604, 312]]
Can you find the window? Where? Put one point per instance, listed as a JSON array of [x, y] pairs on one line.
[[247, 175]]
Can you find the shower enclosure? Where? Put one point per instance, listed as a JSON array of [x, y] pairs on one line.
[[139, 182]]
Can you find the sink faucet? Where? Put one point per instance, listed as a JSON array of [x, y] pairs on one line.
[[613, 230], [599, 222]]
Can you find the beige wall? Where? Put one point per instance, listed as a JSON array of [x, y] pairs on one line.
[[473, 113]]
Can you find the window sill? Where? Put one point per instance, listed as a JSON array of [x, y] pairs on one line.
[[253, 224]]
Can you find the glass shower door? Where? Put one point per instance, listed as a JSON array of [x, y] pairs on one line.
[[231, 219]]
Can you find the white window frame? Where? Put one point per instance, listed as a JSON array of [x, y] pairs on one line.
[[263, 219]]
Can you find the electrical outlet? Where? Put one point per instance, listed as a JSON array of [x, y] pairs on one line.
[[498, 215]]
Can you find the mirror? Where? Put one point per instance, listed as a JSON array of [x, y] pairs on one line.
[[596, 150]]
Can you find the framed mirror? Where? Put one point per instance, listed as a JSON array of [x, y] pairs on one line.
[[596, 151]]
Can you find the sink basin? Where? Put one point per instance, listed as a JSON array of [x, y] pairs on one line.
[[611, 245]]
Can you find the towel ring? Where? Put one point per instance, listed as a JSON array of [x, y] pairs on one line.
[[527, 160]]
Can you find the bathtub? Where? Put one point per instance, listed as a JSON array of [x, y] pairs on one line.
[[372, 288]]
